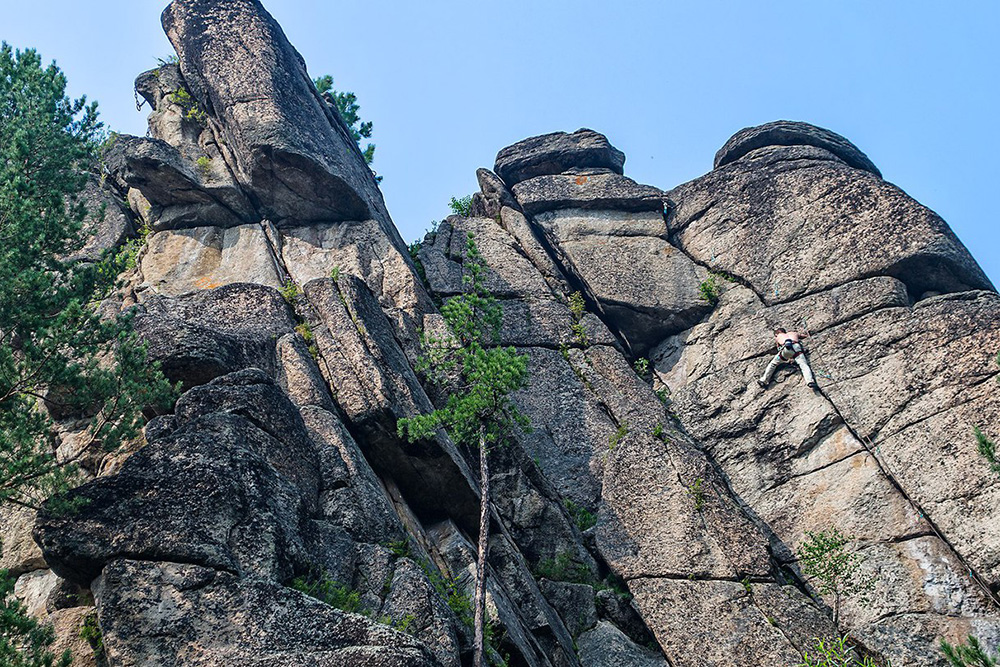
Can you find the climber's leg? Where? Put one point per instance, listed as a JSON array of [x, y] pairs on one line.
[[806, 371], [765, 379]]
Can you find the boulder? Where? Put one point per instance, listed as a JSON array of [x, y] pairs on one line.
[[644, 285], [182, 192], [554, 153], [200, 336], [574, 602], [193, 616], [792, 133], [607, 646], [412, 606], [493, 195], [253, 395], [203, 494]]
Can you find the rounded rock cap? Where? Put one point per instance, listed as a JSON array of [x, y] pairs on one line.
[[555, 153], [792, 133]]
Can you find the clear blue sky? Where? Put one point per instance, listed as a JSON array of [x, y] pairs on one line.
[[914, 84]]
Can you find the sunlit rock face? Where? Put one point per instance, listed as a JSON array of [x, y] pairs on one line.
[[652, 514]]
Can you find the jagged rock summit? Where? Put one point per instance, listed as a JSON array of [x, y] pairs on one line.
[[652, 515]]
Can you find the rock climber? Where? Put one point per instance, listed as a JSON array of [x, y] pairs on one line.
[[789, 350]]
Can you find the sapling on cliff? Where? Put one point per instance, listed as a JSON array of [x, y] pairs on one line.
[[478, 376], [833, 569]]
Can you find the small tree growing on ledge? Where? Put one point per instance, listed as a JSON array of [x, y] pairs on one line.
[[824, 558], [479, 378], [347, 107]]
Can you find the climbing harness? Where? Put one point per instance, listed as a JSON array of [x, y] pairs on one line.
[[790, 350]]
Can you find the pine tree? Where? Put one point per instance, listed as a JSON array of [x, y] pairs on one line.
[[835, 570], [478, 413], [56, 352], [347, 107], [971, 654]]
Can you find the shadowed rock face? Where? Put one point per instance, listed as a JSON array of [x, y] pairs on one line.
[[675, 478]]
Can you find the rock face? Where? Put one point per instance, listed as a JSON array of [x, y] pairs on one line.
[[653, 514]]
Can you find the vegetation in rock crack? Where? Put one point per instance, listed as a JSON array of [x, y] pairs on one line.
[[449, 590], [563, 568], [56, 352], [189, 105], [289, 291], [577, 309], [969, 654], [697, 491], [663, 394], [402, 624], [836, 653], [641, 366], [347, 106], [318, 584], [616, 438], [204, 166], [615, 584], [128, 254], [659, 433], [987, 449], [304, 330], [709, 290], [478, 377], [398, 548], [461, 206], [91, 633], [833, 569], [583, 519]]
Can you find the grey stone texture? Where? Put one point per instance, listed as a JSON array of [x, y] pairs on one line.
[[652, 514]]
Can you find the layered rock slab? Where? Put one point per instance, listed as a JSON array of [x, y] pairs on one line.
[[556, 153], [792, 133]]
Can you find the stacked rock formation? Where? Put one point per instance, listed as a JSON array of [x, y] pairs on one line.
[[652, 515]]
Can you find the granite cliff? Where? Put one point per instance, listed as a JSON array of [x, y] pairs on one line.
[[650, 518]]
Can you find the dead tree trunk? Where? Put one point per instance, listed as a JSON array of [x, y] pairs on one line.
[[479, 648]]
